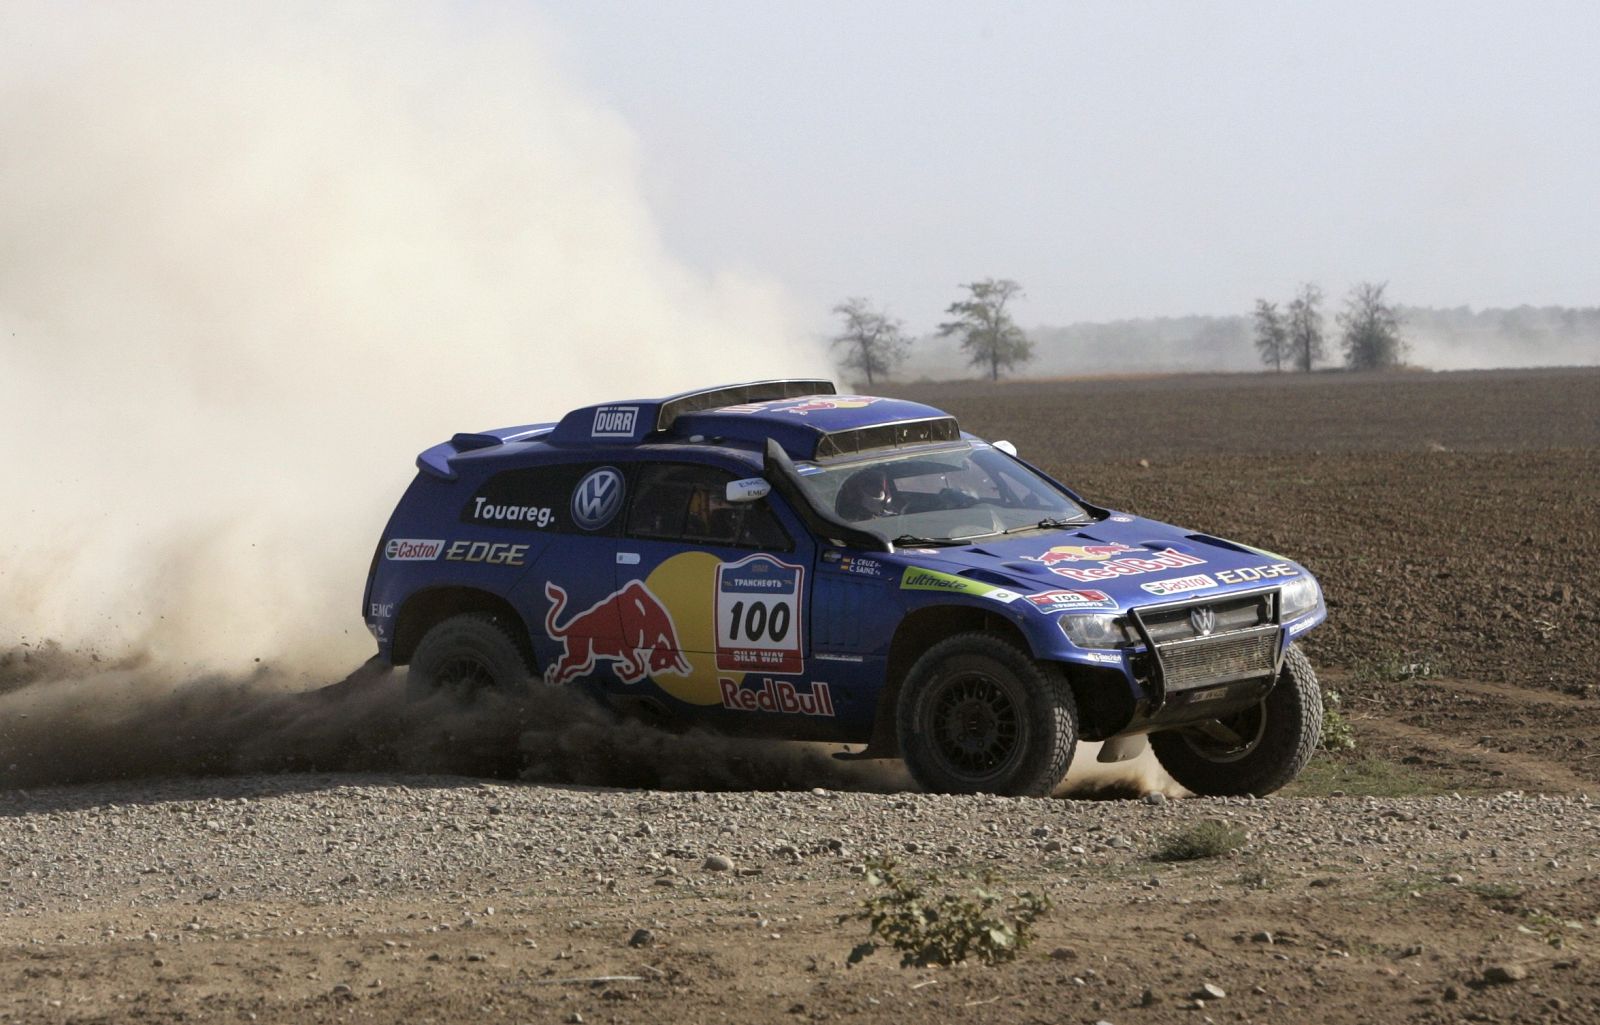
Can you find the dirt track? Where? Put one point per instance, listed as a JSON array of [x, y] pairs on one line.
[[1451, 520], [382, 899]]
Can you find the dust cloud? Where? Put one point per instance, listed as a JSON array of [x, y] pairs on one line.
[[1135, 777], [254, 257], [72, 718]]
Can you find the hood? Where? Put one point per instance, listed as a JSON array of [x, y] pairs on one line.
[[1122, 561]]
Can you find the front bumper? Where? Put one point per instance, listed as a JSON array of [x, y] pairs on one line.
[[1178, 673]]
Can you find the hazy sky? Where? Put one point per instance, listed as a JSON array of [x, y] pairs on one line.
[[1120, 159]]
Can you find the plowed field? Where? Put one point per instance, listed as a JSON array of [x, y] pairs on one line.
[[1445, 870]]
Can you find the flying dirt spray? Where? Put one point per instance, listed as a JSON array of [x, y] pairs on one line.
[[252, 259]]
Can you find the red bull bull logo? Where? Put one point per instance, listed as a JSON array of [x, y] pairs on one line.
[[802, 408], [629, 627], [1079, 553], [1169, 558], [818, 405]]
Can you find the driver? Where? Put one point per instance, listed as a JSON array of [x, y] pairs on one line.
[[868, 494], [711, 515]]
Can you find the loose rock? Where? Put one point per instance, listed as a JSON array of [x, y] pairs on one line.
[[1501, 974]]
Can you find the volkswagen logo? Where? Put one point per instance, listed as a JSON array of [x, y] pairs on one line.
[[1203, 620], [597, 498]]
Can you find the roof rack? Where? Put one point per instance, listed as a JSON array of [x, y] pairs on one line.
[[736, 394]]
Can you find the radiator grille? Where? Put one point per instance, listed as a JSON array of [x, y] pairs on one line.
[[1232, 613], [1219, 659]]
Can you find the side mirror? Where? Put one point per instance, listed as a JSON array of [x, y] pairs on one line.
[[751, 489], [1006, 447]]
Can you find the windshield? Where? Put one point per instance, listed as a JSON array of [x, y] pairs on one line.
[[946, 494]]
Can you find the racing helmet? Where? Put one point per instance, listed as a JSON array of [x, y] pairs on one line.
[[867, 494]]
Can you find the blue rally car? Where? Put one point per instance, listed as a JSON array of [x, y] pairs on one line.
[[776, 559]]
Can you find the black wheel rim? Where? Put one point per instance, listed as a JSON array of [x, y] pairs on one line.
[[1230, 739], [464, 675], [976, 726]]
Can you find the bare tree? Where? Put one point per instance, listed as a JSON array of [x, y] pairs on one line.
[[873, 342], [1371, 329], [988, 334], [1306, 328], [1272, 335]]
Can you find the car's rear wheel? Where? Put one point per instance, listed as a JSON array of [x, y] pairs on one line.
[[976, 714], [1256, 751], [464, 655]]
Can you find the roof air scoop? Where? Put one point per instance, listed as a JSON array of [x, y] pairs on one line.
[[886, 436], [739, 394]]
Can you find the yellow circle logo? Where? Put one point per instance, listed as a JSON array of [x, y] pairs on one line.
[[687, 585]]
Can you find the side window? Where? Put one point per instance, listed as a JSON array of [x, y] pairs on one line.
[[685, 502], [570, 498]]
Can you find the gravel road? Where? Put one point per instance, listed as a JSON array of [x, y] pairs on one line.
[[334, 839], [301, 897]]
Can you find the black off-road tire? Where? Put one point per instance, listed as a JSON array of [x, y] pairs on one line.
[[1270, 742], [464, 655], [978, 715]]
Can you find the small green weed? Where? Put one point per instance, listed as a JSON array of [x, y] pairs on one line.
[[1340, 773], [1400, 887], [1497, 892], [1256, 879], [1398, 667], [946, 929], [1209, 839], [1336, 732], [1549, 928]]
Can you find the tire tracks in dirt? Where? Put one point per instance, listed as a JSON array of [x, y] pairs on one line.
[[1513, 770], [1508, 737]]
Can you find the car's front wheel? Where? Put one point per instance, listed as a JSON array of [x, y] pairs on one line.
[[1256, 751], [977, 714], [464, 655]]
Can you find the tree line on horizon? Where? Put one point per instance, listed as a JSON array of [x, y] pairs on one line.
[[874, 343], [1374, 332], [1370, 330]]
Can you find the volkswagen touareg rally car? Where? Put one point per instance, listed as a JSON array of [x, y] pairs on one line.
[[776, 559]]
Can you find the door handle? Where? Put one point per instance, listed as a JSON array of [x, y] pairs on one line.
[[627, 558]]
